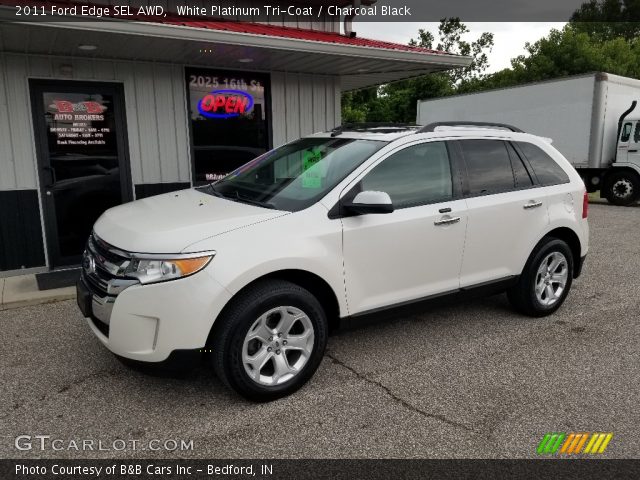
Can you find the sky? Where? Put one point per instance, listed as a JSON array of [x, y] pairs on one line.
[[509, 37]]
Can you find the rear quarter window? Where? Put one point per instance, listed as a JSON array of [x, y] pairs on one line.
[[544, 167], [489, 167]]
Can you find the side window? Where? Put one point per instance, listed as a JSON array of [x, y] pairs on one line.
[[520, 172], [626, 132], [545, 167], [417, 175], [636, 133], [488, 166]]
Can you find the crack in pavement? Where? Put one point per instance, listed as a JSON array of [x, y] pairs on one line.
[[65, 388], [81, 380], [400, 400]]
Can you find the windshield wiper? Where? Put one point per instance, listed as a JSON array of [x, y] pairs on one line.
[[243, 199], [213, 191], [238, 198]]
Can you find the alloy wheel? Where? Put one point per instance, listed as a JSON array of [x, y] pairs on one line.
[[551, 278], [278, 345]]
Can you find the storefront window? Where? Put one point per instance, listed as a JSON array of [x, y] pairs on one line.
[[229, 120]]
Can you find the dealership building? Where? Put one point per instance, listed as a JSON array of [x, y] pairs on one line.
[[94, 114]]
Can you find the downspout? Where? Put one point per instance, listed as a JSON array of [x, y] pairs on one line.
[[621, 121], [348, 21]]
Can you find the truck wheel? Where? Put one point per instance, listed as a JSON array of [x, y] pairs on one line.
[[269, 341], [545, 281], [622, 188]]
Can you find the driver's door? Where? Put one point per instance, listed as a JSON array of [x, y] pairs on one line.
[[415, 251], [624, 142], [633, 153]]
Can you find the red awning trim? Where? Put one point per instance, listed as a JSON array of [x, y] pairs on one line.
[[243, 27]]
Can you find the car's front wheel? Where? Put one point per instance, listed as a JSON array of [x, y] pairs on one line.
[[270, 340], [546, 279]]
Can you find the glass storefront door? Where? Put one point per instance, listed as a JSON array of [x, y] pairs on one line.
[[81, 143]]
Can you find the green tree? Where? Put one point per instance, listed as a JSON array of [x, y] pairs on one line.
[[569, 51], [608, 19], [396, 102]]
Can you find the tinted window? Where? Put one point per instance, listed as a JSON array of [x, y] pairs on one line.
[[417, 175], [545, 167], [626, 132], [523, 179], [636, 133], [488, 166]]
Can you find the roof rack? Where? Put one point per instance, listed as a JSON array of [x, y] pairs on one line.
[[432, 126], [380, 127]]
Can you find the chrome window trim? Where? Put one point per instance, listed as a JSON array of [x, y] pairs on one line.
[[152, 256]]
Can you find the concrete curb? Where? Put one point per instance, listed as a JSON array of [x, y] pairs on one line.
[[22, 291]]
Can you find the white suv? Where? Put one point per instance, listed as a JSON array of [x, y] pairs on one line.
[[253, 271]]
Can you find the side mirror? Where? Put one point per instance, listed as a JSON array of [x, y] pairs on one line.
[[370, 202]]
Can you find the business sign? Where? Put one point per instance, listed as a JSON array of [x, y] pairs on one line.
[[229, 119], [76, 123], [225, 104]]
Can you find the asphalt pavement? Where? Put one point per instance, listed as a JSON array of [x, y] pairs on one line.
[[468, 380]]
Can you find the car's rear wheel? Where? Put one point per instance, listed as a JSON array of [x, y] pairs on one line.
[[270, 340], [546, 279]]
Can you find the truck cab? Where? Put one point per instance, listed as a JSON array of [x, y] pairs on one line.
[[628, 150]]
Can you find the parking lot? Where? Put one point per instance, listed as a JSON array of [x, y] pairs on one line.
[[463, 380]]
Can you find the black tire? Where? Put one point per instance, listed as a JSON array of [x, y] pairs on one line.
[[231, 328], [523, 295], [622, 188]]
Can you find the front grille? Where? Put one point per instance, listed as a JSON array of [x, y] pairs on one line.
[[96, 284], [103, 272], [105, 251]]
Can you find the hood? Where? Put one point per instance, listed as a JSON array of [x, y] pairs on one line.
[[169, 223]]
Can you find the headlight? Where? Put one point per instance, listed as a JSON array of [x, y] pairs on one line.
[[152, 270]]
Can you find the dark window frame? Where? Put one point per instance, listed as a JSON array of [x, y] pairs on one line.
[[532, 171], [625, 137], [511, 149], [222, 71], [38, 86]]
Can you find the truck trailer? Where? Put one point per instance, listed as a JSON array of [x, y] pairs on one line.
[[590, 118]]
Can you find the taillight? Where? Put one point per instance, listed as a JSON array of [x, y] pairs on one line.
[[585, 205]]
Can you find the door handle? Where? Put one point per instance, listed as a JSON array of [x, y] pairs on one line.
[[532, 204], [53, 176], [632, 151], [447, 220]]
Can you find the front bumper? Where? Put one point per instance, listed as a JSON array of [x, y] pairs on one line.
[[148, 322]]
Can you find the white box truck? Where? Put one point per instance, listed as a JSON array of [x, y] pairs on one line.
[[590, 119]]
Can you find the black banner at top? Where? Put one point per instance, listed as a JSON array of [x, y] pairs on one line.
[[298, 12]]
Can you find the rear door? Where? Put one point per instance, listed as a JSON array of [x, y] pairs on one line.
[[507, 211], [415, 251]]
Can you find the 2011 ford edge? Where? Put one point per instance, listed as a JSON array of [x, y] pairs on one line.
[[251, 271]]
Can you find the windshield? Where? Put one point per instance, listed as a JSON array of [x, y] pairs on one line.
[[294, 176]]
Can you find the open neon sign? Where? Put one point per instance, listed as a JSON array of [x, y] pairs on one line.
[[225, 104]]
